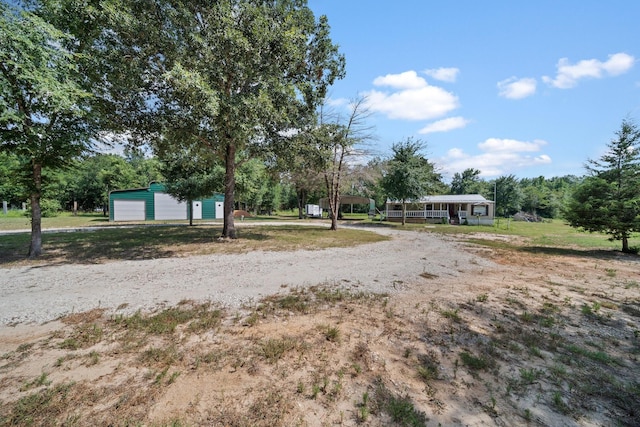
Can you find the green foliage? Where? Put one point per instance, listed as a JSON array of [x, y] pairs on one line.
[[45, 118], [401, 409], [409, 174], [48, 208], [469, 182], [12, 187], [256, 188], [473, 362], [608, 200], [508, 195]]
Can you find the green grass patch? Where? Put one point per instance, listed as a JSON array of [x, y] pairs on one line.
[[596, 356], [539, 235], [198, 317], [146, 242], [400, 408], [40, 408], [451, 314], [83, 336], [472, 362], [274, 349], [17, 220]]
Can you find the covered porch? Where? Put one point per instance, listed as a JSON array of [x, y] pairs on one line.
[[449, 209]]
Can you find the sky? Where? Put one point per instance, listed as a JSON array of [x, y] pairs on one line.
[[529, 88]]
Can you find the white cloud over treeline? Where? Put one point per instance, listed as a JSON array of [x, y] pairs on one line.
[[498, 157]]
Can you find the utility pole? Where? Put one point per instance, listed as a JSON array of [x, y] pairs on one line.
[[495, 202]]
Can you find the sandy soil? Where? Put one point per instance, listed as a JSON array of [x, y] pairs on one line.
[[44, 293], [546, 359]]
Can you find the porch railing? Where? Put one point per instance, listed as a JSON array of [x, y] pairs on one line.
[[418, 214]]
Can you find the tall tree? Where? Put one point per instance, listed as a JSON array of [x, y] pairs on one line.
[[410, 175], [301, 166], [608, 200], [508, 195], [467, 182], [44, 113], [338, 139], [246, 70]]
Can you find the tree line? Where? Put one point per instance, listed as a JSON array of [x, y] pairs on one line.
[[87, 180]]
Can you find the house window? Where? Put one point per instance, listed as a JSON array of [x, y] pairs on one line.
[[480, 210], [428, 207]]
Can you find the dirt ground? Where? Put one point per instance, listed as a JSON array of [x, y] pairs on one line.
[[506, 335]]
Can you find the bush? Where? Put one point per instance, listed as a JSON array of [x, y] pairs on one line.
[[48, 208]]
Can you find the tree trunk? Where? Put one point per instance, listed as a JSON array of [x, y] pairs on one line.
[[334, 205], [229, 229], [625, 244], [404, 213], [301, 195], [190, 207], [35, 248]]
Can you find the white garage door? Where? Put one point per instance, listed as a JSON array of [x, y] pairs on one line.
[[167, 207], [128, 210]]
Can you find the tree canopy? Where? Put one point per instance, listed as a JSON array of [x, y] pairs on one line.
[[243, 72], [608, 200], [409, 175], [45, 119]]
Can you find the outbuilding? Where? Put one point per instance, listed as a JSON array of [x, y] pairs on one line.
[[153, 203]]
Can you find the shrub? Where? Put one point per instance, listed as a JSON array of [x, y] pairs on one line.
[[48, 208]]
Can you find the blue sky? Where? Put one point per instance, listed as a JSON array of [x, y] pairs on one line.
[[527, 88]]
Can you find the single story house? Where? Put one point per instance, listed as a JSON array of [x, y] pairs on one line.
[[452, 209], [153, 203]]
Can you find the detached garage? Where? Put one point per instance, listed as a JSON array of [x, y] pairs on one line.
[[153, 203]]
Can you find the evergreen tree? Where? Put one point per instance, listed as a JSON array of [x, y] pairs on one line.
[[608, 200]]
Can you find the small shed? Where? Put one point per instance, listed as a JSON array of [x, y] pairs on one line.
[[153, 203]]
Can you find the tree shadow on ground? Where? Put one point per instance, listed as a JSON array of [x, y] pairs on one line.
[[607, 254], [109, 244]]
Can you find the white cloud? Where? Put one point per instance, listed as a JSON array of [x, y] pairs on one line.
[[443, 74], [496, 144], [498, 157], [569, 74], [411, 98], [406, 80], [618, 63], [514, 88], [445, 125]]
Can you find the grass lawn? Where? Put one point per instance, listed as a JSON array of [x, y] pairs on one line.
[[145, 242], [554, 233], [177, 240], [16, 220]]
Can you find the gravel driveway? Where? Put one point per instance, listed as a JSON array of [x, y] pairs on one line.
[[44, 293]]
